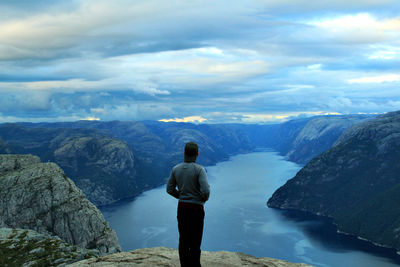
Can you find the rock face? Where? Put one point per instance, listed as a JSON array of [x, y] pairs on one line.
[[109, 155], [318, 135], [21, 247], [357, 182], [102, 166], [39, 196], [169, 257], [301, 140]]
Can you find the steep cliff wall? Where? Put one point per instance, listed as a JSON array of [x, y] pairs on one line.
[[38, 196], [301, 140], [318, 135], [357, 182], [103, 167]]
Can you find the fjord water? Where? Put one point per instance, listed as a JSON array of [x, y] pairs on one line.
[[237, 219]]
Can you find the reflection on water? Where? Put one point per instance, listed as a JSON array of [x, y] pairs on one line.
[[322, 231], [237, 219]]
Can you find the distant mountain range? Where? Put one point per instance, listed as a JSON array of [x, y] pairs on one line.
[[114, 160], [351, 175], [356, 182]]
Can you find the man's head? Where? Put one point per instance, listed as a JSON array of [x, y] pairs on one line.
[[191, 152]]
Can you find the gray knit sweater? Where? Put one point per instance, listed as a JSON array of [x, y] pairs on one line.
[[191, 180]]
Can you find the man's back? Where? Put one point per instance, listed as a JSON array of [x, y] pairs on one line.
[[193, 190], [191, 180]]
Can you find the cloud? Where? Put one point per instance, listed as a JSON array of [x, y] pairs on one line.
[[268, 118], [79, 85], [359, 28], [376, 79], [117, 27], [198, 119], [254, 61], [349, 22], [91, 119], [192, 68], [25, 101], [130, 110], [383, 55], [335, 5], [149, 73]]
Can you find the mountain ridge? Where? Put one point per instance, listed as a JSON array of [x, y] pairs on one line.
[[147, 150], [356, 182]]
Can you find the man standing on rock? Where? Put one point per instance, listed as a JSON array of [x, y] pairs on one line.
[[193, 191]]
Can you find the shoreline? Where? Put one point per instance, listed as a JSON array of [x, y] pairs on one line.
[[309, 216]]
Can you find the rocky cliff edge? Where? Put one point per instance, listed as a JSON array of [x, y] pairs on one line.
[[162, 256], [22, 247]]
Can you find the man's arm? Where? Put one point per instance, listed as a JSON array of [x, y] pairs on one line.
[[171, 186], [204, 186]]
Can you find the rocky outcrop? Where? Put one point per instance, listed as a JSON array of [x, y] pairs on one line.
[[168, 257], [39, 196], [357, 182], [22, 247]]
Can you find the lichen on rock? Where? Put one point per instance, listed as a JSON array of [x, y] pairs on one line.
[[22, 247]]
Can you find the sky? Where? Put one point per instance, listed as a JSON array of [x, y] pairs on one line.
[[253, 61]]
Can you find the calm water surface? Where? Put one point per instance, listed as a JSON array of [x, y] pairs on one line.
[[237, 219]]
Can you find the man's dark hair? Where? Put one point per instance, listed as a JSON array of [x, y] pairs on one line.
[[191, 151]]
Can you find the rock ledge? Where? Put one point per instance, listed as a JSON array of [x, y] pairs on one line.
[[161, 256]]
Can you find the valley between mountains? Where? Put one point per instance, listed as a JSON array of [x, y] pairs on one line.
[[350, 174]]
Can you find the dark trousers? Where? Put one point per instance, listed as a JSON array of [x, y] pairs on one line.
[[190, 226]]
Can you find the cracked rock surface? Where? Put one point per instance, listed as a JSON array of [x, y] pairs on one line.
[[162, 256]]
